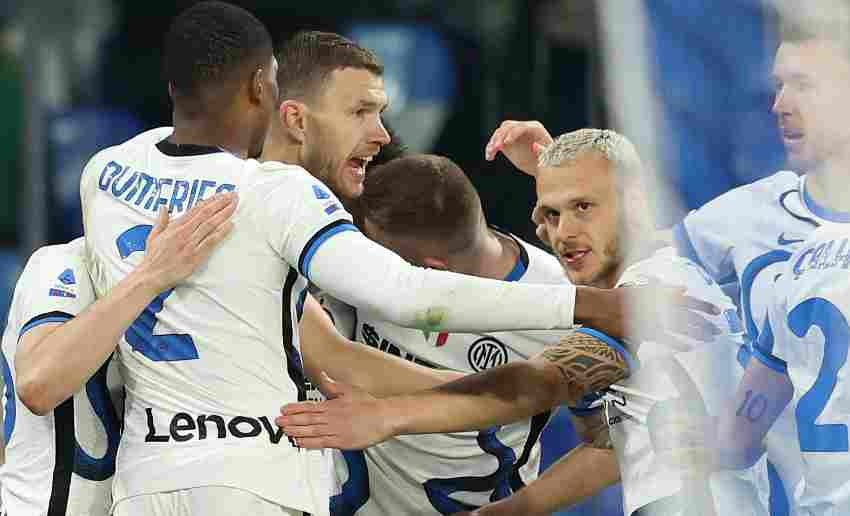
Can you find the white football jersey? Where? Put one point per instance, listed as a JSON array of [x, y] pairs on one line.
[[446, 473], [808, 329], [661, 371], [743, 239], [209, 363], [63, 462]]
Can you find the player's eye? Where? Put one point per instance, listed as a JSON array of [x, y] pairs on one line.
[[583, 207], [551, 215]]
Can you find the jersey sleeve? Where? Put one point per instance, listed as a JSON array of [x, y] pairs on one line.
[[765, 349], [299, 214], [56, 287], [705, 238]]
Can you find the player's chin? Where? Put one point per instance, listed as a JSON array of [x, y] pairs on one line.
[[352, 188], [580, 273]]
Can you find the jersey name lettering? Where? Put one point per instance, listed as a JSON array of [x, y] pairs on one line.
[[138, 188]]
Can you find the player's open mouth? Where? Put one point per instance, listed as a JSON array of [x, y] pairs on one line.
[[791, 137], [357, 166], [575, 257]]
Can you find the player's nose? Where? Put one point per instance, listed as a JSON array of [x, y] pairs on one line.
[[380, 135], [782, 103]]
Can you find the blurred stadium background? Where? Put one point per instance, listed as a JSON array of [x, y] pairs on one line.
[[687, 80]]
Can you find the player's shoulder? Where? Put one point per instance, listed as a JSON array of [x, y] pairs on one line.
[[71, 254], [742, 200], [61, 265], [540, 266], [134, 147], [274, 176], [769, 188], [141, 142]]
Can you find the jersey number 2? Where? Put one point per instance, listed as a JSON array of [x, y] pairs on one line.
[[826, 316], [159, 348]]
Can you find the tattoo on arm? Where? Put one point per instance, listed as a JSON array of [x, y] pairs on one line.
[[586, 364]]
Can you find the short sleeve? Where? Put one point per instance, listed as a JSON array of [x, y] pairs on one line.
[[299, 214], [766, 351], [705, 238], [55, 286]]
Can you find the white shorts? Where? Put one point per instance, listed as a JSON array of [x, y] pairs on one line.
[[207, 500]]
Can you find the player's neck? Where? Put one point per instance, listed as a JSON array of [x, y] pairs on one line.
[[828, 185], [633, 252], [278, 148], [493, 256], [208, 133]]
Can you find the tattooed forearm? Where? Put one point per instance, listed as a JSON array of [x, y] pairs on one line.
[[586, 364]]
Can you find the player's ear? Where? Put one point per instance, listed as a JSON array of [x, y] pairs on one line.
[[293, 118], [255, 92]]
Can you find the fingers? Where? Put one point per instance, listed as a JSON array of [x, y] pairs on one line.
[[161, 224], [691, 325], [207, 208], [304, 407], [693, 303], [211, 241], [215, 214], [512, 131], [304, 425], [497, 140], [537, 148]]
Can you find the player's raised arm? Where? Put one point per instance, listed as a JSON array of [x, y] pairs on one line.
[[326, 351], [582, 363], [55, 359]]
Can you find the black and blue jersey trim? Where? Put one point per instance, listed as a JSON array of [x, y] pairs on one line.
[[317, 240], [777, 364], [613, 343], [45, 318]]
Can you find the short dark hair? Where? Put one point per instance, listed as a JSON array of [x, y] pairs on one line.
[[307, 59], [422, 196], [210, 41]]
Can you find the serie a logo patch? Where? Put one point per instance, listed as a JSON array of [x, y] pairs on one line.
[[65, 285]]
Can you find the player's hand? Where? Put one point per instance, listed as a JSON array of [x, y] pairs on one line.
[[175, 249], [350, 419], [520, 142], [665, 313], [648, 312]]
